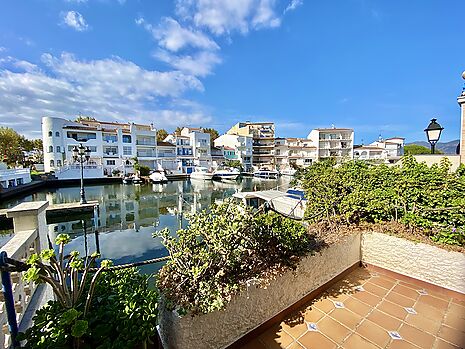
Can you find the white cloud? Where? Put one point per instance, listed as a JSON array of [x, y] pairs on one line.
[[293, 5], [109, 89], [2, 49], [225, 16], [172, 36], [74, 20], [199, 64]]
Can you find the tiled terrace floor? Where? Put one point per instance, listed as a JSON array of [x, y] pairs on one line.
[[371, 310]]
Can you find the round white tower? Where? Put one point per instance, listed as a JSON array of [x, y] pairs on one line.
[[52, 137]]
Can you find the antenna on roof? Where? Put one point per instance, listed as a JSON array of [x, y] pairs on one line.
[[332, 126]]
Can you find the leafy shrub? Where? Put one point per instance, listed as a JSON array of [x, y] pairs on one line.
[[123, 313], [414, 194], [221, 250]]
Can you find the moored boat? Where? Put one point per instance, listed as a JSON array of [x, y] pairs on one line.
[[265, 173], [226, 174], [158, 177], [288, 172], [202, 173]]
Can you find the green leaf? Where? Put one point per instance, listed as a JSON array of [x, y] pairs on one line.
[[79, 328], [70, 315]]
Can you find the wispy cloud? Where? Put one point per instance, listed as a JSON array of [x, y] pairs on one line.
[[75, 20], [293, 5], [199, 64]]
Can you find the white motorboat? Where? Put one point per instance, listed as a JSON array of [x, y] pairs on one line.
[[288, 172], [227, 174], [132, 179], [266, 173], [291, 204], [202, 173], [158, 177]]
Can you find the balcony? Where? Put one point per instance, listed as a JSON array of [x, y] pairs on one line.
[[166, 155], [147, 154], [150, 143]]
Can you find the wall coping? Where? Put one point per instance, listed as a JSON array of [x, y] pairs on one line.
[[27, 209]]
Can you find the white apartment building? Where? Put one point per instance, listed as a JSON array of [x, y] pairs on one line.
[[238, 148], [166, 156], [184, 152], [201, 147], [112, 145], [333, 142], [383, 150], [263, 134], [294, 152]]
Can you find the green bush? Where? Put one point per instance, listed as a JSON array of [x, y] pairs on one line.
[[221, 250], [123, 313], [430, 198]]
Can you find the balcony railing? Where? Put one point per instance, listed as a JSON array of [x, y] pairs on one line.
[[150, 143], [146, 154]]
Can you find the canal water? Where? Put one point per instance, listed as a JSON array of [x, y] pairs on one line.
[[130, 214]]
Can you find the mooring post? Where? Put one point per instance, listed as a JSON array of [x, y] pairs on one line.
[[9, 300]]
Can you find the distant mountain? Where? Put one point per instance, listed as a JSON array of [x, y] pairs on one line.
[[445, 147]]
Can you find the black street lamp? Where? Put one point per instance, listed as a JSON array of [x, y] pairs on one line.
[[81, 154], [433, 133]]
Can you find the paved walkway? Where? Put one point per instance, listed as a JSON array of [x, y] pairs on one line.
[[371, 310]]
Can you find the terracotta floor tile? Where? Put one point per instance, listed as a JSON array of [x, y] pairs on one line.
[[295, 345], [406, 291], [324, 304], [357, 307], [400, 300], [333, 329], [367, 298], [452, 335], [375, 289], [457, 310], [453, 320], [392, 309], [386, 321], [346, 317], [295, 330], [429, 311], [315, 340], [440, 344], [418, 337], [313, 315], [423, 323], [355, 341], [401, 344], [459, 301], [374, 333], [383, 282], [254, 344], [409, 285], [275, 338], [336, 294], [436, 303]]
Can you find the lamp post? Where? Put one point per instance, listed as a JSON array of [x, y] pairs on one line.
[[433, 133], [81, 154]]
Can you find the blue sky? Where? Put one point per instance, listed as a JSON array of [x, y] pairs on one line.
[[381, 67]]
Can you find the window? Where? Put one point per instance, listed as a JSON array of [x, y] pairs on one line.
[[58, 149], [50, 133], [308, 161], [127, 151], [57, 134], [59, 163], [111, 162], [50, 149], [127, 139], [52, 163]]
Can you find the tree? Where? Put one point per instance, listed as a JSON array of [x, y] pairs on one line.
[[415, 149], [213, 133], [84, 118], [161, 135], [178, 131], [11, 146]]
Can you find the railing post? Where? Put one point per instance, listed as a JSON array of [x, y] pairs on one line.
[[31, 216], [9, 301]]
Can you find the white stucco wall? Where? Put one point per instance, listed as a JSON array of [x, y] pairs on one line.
[[257, 305], [420, 261]]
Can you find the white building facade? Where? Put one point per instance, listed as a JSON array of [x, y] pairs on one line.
[[387, 150], [184, 152], [333, 142], [238, 148], [201, 147], [291, 153], [13, 177], [113, 147]]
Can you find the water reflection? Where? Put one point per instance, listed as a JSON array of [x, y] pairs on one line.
[[129, 214]]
